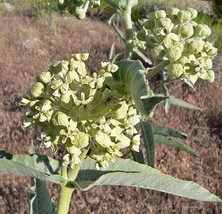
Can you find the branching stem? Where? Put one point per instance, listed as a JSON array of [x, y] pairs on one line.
[[157, 68], [65, 189]]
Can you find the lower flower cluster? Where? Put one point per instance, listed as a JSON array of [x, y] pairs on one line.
[[82, 111]]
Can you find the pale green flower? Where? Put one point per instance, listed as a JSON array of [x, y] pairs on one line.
[[37, 89], [135, 143], [45, 141], [44, 77], [44, 111]]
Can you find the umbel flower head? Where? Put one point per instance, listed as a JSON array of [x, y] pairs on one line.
[[174, 35], [82, 111], [78, 7]]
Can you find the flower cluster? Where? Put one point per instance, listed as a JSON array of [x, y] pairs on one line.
[[176, 37], [78, 7], [82, 111]]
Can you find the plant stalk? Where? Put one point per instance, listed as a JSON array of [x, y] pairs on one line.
[[64, 198], [157, 68], [126, 15], [74, 172], [66, 189]]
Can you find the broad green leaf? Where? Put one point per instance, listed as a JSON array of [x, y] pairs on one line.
[[40, 201], [129, 173], [131, 74], [161, 130], [182, 103], [147, 135], [37, 166], [174, 143]]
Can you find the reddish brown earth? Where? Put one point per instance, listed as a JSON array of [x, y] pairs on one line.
[[28, 46]]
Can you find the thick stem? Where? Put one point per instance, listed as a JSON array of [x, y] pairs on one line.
[[126, 15], [64, 198], [74, 172], [157, 69], [65, 189]]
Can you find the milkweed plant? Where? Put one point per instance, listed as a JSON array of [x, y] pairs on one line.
[[101, 123]]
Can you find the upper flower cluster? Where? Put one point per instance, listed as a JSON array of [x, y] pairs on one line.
[[78, 7], [82, 111], [175, 36]]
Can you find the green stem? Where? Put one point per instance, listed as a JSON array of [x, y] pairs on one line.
[[157, 69], [74, 172], [66, 189], [64, 198], [126, 15], [64, 171]]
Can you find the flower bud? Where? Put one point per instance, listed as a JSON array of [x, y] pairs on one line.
[[193, 12], [80, 13], [109, 67], [206, 63], [183, 60], [158, 52], [202, 30], [24, 101], [195, 46], [184, 16], [159, 14], [44, 77], [208, 76], [77, 56], [174, 53], [175, 69], [212, 53], [37, 89], [172, 11], [186, 30], [72, 76], [84, 56], [60, 119]]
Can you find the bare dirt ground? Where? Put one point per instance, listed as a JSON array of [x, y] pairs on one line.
[[28, 46]]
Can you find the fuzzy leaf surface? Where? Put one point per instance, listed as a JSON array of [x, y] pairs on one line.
[[174, 143], [40, 198], [132, 75], [37, 166], [126, 172], [147, 134]]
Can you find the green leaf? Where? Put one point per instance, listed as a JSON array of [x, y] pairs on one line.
[[147, 135], [138, 157], [37, 166], [129, 173], [167, 132], [142, 56], [131, 74], [114, 6], [174, 143], [150, 103], [182, 103], [40, 198], [112, 53]]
